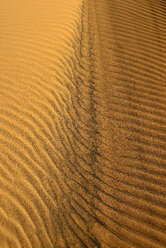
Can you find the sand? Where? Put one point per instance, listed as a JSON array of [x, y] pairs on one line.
[[82, 123]]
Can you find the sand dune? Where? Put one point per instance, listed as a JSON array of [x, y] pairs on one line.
[[82, 123]]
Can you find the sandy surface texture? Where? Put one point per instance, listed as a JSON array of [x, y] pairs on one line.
[[82, 123]]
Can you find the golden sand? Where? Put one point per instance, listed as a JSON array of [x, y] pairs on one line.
[[82, 123]]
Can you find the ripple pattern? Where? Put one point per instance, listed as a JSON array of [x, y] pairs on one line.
[[82, 123]]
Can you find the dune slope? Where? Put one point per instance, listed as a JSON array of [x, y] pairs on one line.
[[82, 123]]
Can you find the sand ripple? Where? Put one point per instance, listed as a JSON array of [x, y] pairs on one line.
[[82, 123]]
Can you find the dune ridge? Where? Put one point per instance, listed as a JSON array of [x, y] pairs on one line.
[[82, 123]]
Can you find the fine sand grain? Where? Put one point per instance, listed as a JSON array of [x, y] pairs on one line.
[[82, 123]]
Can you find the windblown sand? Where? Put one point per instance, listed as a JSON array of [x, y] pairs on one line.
[[82, 123]]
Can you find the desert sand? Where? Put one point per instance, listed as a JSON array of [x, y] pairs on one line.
[[82, 123]]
